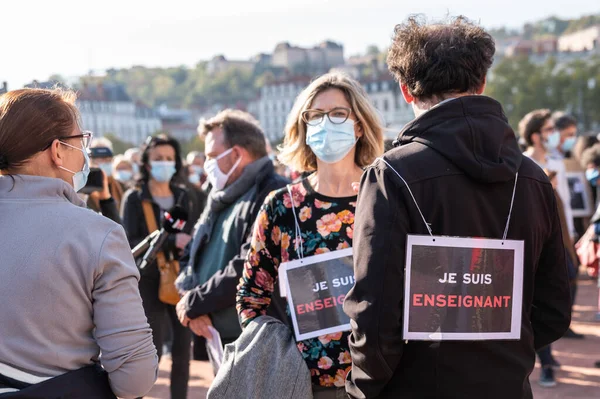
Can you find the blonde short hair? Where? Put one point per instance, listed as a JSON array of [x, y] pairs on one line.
[[296, 154], [119, 159]]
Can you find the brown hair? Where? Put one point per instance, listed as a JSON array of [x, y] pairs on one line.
[[30, 120], [296, 154], [563, 121], [239, 128], [437, 59], [532, 123]]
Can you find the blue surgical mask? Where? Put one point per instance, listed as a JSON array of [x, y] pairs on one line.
[[79, 178], [162, 171], [553, 140], [569, 143], [124, 176], [136, 169], [331, 142], [194, 178], [592, 176], [106, 168]]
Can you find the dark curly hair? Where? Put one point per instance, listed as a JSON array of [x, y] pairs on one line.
[[433, 60], [153, 142]]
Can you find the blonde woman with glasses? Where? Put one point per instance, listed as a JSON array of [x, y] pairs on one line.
[[334, 132]]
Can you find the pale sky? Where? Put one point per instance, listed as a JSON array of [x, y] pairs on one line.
[[69, 37]]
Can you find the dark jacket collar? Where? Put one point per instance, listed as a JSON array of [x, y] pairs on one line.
[[473, 133]]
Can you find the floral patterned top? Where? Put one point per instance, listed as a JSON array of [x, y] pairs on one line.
[[327, 225]]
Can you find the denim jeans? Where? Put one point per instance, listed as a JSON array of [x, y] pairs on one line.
[[545, 355]]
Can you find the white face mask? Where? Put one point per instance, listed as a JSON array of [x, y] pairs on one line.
[[215, 175], [79, 178]]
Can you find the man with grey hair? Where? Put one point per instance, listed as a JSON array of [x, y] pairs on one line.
[[241, 175]]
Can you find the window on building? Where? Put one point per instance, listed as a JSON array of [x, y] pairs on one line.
[[386, 105], [385, 86]]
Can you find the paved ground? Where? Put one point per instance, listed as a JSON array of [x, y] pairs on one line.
[[578, 378]]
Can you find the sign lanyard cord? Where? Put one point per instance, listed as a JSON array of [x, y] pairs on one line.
[[411, 194], [512, 200], [298, 230]]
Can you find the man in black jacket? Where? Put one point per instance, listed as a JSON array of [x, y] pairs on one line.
[[241, 175], [460, 159]]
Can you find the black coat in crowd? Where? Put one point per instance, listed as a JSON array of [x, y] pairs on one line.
[[460, 160]]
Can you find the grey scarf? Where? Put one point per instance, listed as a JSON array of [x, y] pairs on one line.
[[217, 202]]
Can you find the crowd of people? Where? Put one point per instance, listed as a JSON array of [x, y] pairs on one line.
[[86, 321]]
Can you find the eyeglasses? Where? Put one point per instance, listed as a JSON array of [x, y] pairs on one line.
[[337, 116], [86, 138]]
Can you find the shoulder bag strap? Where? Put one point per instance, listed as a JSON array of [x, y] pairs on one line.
[[152, 227]]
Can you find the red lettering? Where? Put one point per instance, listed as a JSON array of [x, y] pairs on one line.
[[417, 299], [488, 302], [310, 307], [318, 304], [429, 300], [497, 301], [300, 309], [328, 302], [451, 301], [341, 299], [506, 299], [478, 302], [468, 301], [441, 301]]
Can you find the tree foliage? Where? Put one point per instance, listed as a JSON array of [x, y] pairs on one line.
[[190, 87], [522, 86]]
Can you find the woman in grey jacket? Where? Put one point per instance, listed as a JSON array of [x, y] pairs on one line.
[[68, 282]]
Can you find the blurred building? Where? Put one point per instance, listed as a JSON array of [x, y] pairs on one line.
[[543, 46], [4, 88], [318, 59], [107, 108], [274, 104], [221, 64], [583, 40], [386, 97], [179, 123]]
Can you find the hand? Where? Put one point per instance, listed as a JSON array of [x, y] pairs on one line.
[[182, 239], [105, 193], [181, 310], [199, 326], [355, 186]]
